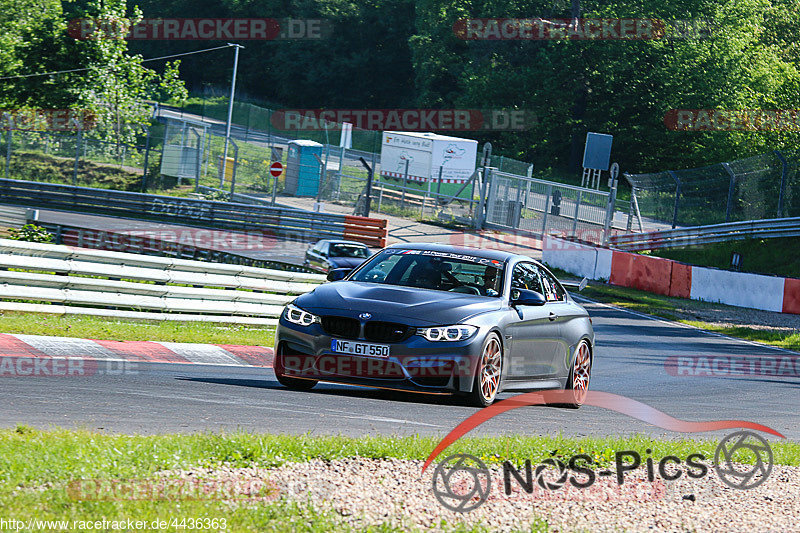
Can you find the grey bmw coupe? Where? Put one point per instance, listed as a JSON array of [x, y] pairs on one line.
[[440, 320]]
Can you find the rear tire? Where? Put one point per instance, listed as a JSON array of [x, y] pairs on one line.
[[487, 376], [579, 375]]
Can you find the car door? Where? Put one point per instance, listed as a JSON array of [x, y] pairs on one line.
[[318, 259], [568, 317], [534, 331]]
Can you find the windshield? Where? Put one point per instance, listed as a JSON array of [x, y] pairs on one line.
[[348, 250], [441, 271]]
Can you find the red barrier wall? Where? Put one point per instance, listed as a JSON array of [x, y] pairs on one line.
[[791, 296], [680, 284], [651, 274], [370, 231]]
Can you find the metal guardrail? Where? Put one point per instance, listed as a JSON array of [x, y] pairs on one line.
[[120, 240], [280, 222], [123, 285], [13, 217], [769, 228]]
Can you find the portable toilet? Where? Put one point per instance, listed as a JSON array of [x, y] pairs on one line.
[[302, 168]]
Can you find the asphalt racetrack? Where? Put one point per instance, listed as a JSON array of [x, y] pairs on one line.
[[631, 359]]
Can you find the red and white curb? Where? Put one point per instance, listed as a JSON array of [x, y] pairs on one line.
[[18, 346]]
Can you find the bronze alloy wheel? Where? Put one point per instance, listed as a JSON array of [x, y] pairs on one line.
[[487, 379], [580, 373]]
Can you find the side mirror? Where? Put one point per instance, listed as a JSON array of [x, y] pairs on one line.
[[338, 273], [526, 297]]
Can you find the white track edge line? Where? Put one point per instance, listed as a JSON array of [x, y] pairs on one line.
[[687, 326]]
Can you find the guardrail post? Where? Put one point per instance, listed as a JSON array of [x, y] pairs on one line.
[[196, 162], [731, 187], [9, 140], [677, 198], [480, 217], [546, 209], [784, 175], [486, 158], [405, 183], [368, 192], [235, 164], [577, 210], [612, 201], [77, 158], [324, 178], [425, 199], [146, 159]]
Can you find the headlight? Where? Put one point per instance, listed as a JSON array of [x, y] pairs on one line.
[[458, 332], [295, 315]]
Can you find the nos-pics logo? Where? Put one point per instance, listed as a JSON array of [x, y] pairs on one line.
[[462, 482]]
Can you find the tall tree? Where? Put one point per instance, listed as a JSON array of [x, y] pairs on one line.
[[106, 80]]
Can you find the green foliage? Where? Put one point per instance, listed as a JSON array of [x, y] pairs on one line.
[[762, 256], [751, 62], [365, 62], [681, 310], [34, 166], [219, 196], [92, 327], [404, 53], [113, 83], [30, 233]]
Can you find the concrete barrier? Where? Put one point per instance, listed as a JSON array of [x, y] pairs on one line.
[[671, 278], [580, 259], [737, 288]]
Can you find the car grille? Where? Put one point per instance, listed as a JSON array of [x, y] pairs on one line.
[[340, 326], [377, 331]]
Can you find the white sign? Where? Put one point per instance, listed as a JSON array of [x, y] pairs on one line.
[[426, 154], [346, 140]]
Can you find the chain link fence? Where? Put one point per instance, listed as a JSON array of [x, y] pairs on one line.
[[760, 187], [75, 158], [542, 207], [186, 152]]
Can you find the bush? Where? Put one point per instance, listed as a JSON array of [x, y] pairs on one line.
[[218, 196], [30, 233]]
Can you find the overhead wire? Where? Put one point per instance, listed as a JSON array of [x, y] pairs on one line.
[[18, 76]]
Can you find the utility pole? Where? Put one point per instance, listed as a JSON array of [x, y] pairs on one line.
[[230, 113]]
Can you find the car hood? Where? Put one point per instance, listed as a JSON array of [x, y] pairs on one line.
[[417, 307], [345, 262]]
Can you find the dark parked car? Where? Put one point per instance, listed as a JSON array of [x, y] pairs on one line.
[[327, 255], [438, 319]]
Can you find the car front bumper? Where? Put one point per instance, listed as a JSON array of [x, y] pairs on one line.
[[415, 364]]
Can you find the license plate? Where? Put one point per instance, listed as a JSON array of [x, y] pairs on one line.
[[359, 348]]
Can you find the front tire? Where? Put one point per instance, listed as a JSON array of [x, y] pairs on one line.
[[290, 382], [294, 383], [487, 376], [579, 375]]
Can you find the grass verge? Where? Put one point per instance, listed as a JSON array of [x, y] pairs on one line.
[[679, 310], [36, 467], [99, 328], [763, 256]]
